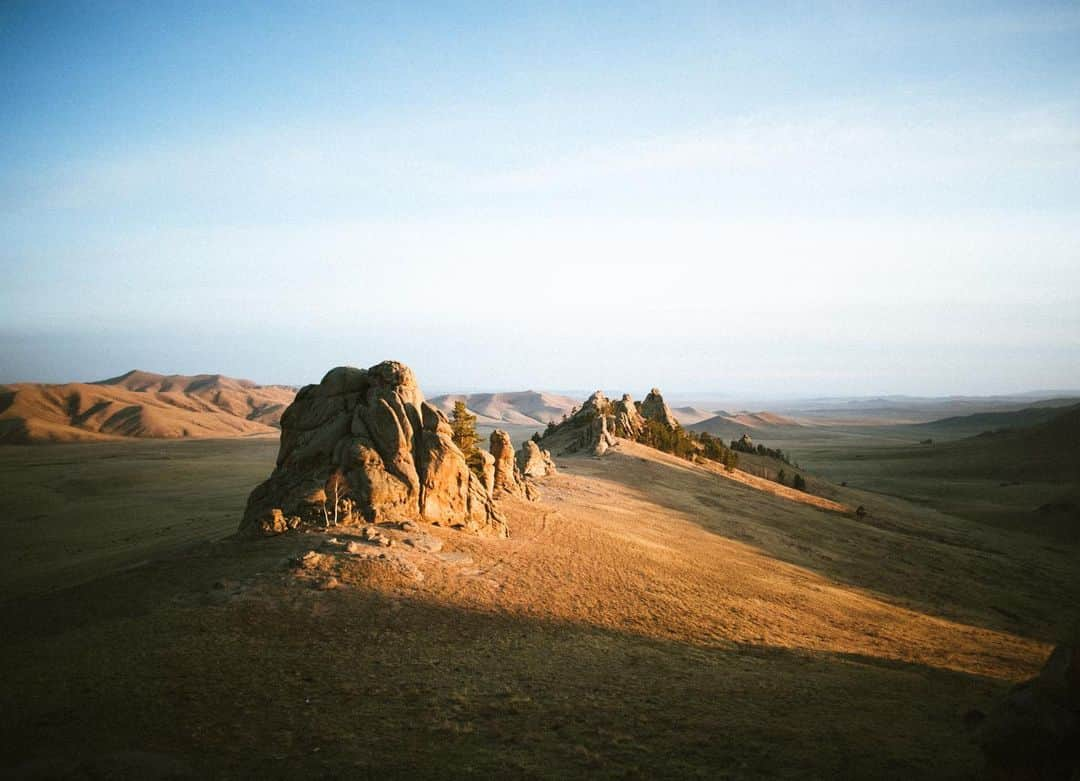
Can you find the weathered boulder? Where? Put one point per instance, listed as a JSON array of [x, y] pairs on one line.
[[506, 477], [654, 408], [628, 421], [533, 461], [364, 442], [1035, 731]]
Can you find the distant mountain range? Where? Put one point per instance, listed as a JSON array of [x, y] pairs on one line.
[[520, 408], [140, 404], [148, 405]]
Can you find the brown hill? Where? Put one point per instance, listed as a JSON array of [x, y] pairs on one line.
[[523, 408], [687, 416], [731, 425], [140, 404]]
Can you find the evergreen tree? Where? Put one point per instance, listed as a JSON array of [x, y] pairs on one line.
[[463, 424], [798, 483]]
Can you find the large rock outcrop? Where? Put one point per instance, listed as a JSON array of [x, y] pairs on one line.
[[534, 461], [600, 423], [655, 408], [1035, 731], [364, 443]]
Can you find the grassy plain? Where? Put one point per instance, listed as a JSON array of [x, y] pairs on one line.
[[647, 618], [73, 512]]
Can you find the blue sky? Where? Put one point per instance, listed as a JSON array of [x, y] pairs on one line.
[[848, 198]]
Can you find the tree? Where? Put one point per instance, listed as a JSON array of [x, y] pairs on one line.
[[799, 483], [536, 436], [463, 425], [336, 487], [781, 477]]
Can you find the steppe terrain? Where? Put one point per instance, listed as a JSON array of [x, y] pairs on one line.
[[647, 617]]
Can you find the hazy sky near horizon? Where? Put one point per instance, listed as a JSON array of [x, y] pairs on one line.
[[776, 199]]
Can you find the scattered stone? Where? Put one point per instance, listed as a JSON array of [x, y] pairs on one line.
[[274, 523], [425, 543], [408, 526], [311, 559], [365, 445], [330, 584]]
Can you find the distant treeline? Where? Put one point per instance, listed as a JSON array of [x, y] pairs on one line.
[[761, 450]]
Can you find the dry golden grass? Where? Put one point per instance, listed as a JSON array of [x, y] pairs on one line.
[[647, 618]]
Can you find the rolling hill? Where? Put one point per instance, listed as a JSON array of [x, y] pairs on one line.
[[978, 423], [688, 416], [140, 404], [1024, 478], [732, 425], [520, 408]]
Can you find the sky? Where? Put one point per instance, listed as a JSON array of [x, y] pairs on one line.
[[775, 199]]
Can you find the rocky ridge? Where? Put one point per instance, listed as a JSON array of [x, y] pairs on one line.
[[600, 422]]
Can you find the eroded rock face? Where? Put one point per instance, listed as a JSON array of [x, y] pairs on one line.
[[365, 442], [1035, 731], [502, 450], [600, 436], [489, 472], [628, 421], [533, 461], [654, 408]]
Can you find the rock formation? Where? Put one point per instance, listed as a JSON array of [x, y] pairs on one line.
[[654, 408], [1035, 731], [600, 438], [365, 444], [506, 476], [628, 420], [488, 469], [599, 424], [532, 461]]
